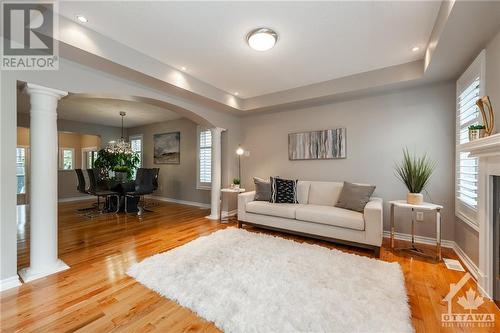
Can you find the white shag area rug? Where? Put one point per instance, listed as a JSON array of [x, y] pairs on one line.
[[249, 282]]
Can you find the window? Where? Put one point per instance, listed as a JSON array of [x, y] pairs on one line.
[[204, 180], [470, 87], [89, 155], [21, 170], [136, 145], [66, 158]]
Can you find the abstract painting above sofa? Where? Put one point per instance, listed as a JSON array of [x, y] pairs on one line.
[[317, 145]]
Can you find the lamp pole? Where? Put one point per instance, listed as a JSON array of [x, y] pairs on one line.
[[240, 151]]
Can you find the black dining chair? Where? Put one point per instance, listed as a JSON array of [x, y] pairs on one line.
[[156, 174], [143, 186], [82, 188], [95, 190], [146, 205]]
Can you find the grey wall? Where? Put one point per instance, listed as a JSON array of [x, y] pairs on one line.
[[378, 127], [466, 237], [176, 181]]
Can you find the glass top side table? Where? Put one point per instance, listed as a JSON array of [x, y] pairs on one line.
[[423, 207], [227, 190]]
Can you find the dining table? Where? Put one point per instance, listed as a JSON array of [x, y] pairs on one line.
[[121, 187]]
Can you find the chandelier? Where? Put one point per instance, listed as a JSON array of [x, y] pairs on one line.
[[121, 146]]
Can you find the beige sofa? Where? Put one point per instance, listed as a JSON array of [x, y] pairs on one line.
[[316, 216]]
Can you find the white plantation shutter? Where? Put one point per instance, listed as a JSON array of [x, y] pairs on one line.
[[470, 88], [204, 158]]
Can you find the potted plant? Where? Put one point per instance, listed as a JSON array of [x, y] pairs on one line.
[[107, 161], [476, 132], [236, 183], [121, 172], [415, 173]]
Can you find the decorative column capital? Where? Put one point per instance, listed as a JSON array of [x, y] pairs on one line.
[[217, 130], [32, 89]]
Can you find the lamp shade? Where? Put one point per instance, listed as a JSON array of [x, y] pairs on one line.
[[240, 151]]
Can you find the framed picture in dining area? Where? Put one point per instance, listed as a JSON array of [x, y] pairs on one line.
[[167, 148]]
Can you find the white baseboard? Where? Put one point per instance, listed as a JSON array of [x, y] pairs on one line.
[[182, 202], [81, 198], [9, 283], [420, 239], [469, 264]]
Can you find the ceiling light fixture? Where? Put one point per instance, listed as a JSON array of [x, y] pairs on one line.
[[236, 93], [81, 18], [183, 68], [262, 39], [415, 48], [121, 146]]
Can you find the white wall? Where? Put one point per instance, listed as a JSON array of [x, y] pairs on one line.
[[378, 128]]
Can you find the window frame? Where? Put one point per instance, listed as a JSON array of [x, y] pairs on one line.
[[61, 159], [138, 137], [201, 185], [26, 168], [86, 150], [477, 68]]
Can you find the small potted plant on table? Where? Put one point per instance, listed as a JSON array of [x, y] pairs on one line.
[[121, 172], [476, 132], [415, 172], [236, 183]]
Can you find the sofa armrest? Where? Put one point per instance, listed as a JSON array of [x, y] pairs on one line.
[[374, 226], [243, 199]]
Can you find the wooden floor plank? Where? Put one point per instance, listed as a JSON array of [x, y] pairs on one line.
[[95, 295]]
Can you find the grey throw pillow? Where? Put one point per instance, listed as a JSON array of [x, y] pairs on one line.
[[262, 189], [355, 197]]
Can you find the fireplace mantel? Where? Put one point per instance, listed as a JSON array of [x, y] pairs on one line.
[[488, 152], [488, 146]]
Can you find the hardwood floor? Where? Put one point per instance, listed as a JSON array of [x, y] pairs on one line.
[[95, 295]]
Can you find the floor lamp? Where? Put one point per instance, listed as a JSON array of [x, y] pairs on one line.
[[240, 151]]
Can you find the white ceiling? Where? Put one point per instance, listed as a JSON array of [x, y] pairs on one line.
[[318, 41], [105, 111]]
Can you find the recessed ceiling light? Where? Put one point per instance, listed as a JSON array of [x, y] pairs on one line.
[[236, 93], [415, 48], [183, 68], [81, 18], [262, 39]]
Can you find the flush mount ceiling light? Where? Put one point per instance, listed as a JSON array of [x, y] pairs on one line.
[[262, 39], [415, 49]]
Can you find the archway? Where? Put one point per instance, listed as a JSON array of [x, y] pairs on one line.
[[43, 110]]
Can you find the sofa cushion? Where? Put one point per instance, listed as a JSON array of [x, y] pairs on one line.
[[303, 191], [285, 210], [324, 193], [334, 216], [283, 190], [262, 189], [355, 196]]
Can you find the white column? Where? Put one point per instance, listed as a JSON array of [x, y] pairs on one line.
[[43, 186], [216, 172]]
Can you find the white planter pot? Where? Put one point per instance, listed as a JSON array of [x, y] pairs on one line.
[[415, 198]]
